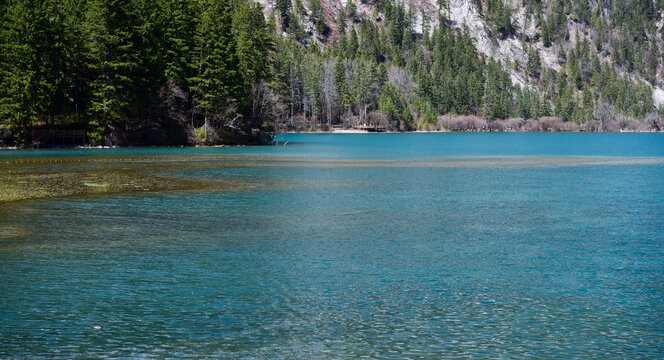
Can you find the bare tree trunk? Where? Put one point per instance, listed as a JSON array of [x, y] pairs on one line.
[[205, 127]]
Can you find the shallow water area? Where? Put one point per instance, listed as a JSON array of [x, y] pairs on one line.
[[334, 246]]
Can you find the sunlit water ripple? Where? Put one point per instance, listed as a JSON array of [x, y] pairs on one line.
[[341, 250]]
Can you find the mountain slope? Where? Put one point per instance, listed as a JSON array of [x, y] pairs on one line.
[[591, 44]]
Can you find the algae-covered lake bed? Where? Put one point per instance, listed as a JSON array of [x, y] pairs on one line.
[[50, 178], [46, 178]]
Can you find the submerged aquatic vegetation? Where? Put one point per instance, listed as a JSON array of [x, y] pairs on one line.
[[12, 232], [55, 178], [45, 178]]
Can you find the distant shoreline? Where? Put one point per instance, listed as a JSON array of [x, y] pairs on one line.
[[345, 131], [472, 123], [127, 147], [355, 131]]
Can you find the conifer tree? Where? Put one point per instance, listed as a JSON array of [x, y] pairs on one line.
[[254, 45], [341, 23], [317, 16], [180, 23], [534, 64], [110, 55], [341, 84], [284, 9], [353, 44], [216, 83], [20, 92], [429, 115]]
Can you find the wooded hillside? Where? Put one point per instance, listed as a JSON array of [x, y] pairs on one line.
[[178, 72]]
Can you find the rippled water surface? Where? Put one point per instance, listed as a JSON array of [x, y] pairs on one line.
[[349, 246]]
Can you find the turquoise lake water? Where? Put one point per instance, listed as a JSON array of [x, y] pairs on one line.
[[360, 245]]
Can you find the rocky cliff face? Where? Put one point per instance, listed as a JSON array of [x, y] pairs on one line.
[[511, 50]]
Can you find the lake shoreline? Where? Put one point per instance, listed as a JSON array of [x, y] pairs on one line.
[[128, 147], [342, 131], [472, 123], [356, 131]]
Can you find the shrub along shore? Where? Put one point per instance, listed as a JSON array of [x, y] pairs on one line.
[[471, 123]]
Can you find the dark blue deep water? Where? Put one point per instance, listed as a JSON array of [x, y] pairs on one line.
[[379, 246]]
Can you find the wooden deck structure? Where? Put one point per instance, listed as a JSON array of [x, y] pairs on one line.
[[371, 128], [61, 137]]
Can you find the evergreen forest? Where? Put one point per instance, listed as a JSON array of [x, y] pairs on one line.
[[186, 72]]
